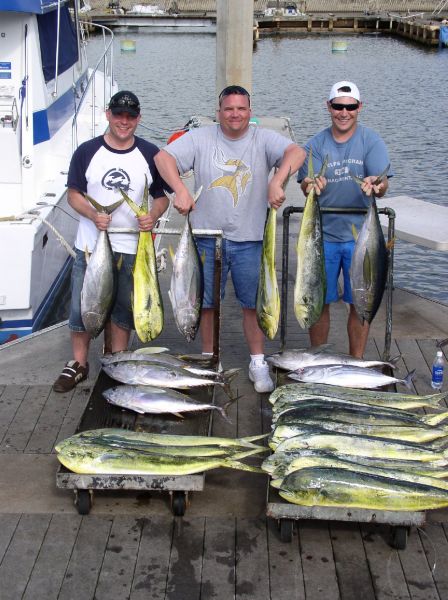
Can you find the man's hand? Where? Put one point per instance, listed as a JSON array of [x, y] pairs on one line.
[[102, 220], [370, 184], [183, 201], [276, 193], [318, 183], [146, 222]]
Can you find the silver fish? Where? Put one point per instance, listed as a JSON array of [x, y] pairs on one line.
[[98, 288], [187, 282], [293, 359], [162, 358], [138, 373], [368, 271], [153, 400], [347, 376]]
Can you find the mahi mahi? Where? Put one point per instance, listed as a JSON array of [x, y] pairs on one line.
[[98, 288], [310, 285], [147, 304], [268, 297]]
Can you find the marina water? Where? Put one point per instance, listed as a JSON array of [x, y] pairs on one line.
[[403, 86]]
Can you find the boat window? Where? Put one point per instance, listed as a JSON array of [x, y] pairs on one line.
[[68, 50]]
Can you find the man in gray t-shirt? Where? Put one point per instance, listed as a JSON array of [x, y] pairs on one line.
[[232, 161]]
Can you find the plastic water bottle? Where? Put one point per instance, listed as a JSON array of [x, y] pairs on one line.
[[437, 371]]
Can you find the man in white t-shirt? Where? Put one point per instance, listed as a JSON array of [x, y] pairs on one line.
[[101, 167], [232, 162]]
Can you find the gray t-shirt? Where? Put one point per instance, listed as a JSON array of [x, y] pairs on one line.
[[234, 175]]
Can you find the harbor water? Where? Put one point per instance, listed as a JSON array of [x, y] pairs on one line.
[[403, 86]]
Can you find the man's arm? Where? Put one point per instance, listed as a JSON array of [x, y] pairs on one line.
[[167, 167], [293, 159]]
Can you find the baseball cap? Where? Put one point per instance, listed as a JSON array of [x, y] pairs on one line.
[[124, 101], [344, 88]]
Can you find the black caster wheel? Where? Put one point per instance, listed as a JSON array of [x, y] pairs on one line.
[[286, 528], [179, 504], [83, 501], [399, 537]]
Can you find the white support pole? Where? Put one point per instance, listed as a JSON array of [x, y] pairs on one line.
[[234, 43]]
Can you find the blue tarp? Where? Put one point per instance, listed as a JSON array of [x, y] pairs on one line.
[[29, 6], [443, 35], [68, 45]]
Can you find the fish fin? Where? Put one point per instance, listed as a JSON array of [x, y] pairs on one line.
[[310, 164], [223, 411], [323, 168], [367, 269], [145, 200], [170, 196], [151, 350], [394, 361], [197, 194], [408, 379], [178, 415], [119, 262], [276, 483], [202, 257], [172, 253], [354, 232], [383, 175], [435, 420], [87, 254], [254, 438]]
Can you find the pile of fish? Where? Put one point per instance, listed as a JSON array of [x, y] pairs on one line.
[[116, 451], [348, 447], [321, 365], [150, 381]]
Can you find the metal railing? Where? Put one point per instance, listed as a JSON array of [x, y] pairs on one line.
[[107, 63]]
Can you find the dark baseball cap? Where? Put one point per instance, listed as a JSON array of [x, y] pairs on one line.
[[124, 101]]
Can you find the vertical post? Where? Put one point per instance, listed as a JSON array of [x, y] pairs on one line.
[[234, 41], [217, 298], [390, 284]]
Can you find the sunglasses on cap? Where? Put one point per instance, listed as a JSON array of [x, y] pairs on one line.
[[350, 107], [233, 89]]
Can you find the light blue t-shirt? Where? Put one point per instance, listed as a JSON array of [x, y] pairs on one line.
[[362, 155]]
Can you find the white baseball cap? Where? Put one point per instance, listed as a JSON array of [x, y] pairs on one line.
[[343, 89]]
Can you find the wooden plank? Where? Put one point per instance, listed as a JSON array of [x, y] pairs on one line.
[[252, 574], [319, 570], [435, 544], [417, 571], [428, 350], [119, 560], [53, 558], [75, 410], [24, 421], [349, 557], [87, 558], [21, 555], [45, 432], [10, 401], [219, 561], [285, 566], [414, 359], [153, 559], [8, 524], [384, 564], [184, 577]]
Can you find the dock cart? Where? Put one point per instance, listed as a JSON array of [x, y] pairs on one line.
[[287, 513], [100, 414]]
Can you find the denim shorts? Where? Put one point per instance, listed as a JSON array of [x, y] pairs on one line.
[[121, 313], [338, 256], [242, 259]]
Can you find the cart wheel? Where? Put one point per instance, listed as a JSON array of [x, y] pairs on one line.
[[286, 528], [179, 504], [83, 501], [399, 537]]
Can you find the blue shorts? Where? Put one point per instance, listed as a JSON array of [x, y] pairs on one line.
[[121, 313], [242, 259], [338, 255]]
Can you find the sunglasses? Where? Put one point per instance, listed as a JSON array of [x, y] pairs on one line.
[[349, 107]]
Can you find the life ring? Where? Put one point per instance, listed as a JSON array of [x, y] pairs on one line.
[[176, 134]]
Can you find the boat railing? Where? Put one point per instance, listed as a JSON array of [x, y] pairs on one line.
[[106, 62], [9, 115]]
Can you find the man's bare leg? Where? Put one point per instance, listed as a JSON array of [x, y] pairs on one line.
[[119, 338], [107, 345], [206, 329], [252, 332], [357, 334], [80, 346], [319, 331]]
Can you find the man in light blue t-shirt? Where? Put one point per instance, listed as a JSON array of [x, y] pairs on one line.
[[351, 149]]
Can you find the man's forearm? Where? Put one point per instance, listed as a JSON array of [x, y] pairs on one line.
[[167, 167]]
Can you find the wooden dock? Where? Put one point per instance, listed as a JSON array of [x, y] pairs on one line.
[[130, 545]]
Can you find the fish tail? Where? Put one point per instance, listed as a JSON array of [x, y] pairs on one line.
[[393, 361], [228, 376], [235, 464], [435, 419], [276, 483], [254, 438], [408, 379], [223, 411]]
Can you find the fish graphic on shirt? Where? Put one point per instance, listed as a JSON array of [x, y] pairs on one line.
[[235, 182]]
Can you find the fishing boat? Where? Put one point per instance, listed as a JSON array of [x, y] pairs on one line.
[[51, 100]]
